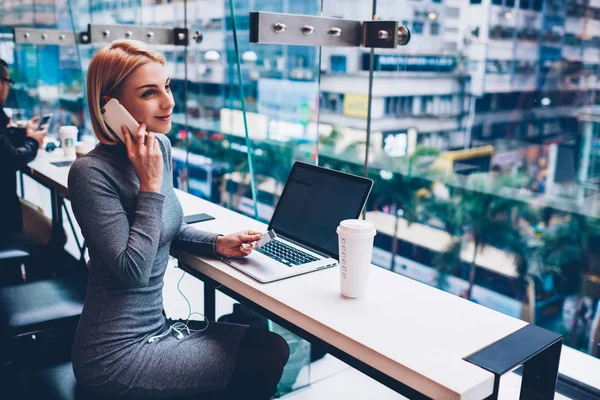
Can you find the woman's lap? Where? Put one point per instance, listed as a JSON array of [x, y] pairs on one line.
[[215, 364]]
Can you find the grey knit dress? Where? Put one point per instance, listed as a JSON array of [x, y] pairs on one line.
[[128, 233]]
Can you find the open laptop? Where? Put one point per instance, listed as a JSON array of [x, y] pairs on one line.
[[313, 202]]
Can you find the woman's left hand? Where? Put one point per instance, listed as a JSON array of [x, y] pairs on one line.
[[238, 244]]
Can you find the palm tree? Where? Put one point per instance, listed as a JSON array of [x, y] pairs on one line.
[[448, 262], [485, 219], [570, 249], [481, 226], [406, 201], [450, 214]]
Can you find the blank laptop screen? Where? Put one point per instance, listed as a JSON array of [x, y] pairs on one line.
[[314, 201]]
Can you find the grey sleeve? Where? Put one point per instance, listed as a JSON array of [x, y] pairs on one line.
[[127, 250], [189, 239], [195, 241]]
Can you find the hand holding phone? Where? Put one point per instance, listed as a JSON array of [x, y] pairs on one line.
[[115, 115], [44, 122]]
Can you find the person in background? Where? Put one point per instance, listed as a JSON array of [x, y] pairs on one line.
[[19, 146]]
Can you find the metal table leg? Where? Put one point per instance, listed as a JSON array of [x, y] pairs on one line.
[[210, 303], [537, 349]]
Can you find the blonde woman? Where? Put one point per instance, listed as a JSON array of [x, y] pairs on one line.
[[123, 199]]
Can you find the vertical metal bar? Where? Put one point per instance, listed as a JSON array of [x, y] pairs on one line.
[[79, 60], [369, 109], [57, 226], [185, 100], [210, 303], [243, 100], [494, 395], [21, 183], [319, 93], [540, 374], [370, 104], [57, 220]]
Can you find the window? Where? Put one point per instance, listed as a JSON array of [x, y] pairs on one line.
[[338, 63], [418, 27], [427, 105], [452, 12], [521, 97]]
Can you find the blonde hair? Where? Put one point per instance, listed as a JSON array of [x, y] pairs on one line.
[[109, 67]]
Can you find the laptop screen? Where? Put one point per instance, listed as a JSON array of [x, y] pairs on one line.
[[314, 201]]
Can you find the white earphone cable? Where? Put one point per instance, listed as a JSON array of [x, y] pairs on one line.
[[179, 327]]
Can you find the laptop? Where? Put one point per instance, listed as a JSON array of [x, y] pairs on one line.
[[312, 204]]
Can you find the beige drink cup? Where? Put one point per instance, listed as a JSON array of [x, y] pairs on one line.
[[68, 137], [355, 238]]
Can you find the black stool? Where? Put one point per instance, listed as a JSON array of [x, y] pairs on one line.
[[13, 253], [56, 383], [38, 320]]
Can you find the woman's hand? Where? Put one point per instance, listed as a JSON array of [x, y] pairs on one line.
[[144, 153], [238, 244]]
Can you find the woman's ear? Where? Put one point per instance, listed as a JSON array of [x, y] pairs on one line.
[[105, 100]]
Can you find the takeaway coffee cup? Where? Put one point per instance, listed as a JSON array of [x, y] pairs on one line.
[[355, 238], [68, 137]]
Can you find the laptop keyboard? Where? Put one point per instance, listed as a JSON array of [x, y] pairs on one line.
[[285, 254]]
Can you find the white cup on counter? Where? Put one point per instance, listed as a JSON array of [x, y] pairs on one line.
[[68, 137], [355, 239]]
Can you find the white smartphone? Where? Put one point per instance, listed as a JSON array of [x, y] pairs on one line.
[[115, 115], [44, 122]]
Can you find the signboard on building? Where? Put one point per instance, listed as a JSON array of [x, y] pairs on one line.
[[356, 105], [395, 144], [398, 62]]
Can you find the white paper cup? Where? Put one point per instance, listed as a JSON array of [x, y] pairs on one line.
[[68, 137], [355, 238]]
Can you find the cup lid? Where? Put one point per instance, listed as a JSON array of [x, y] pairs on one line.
[[356, 227], [68, 129]]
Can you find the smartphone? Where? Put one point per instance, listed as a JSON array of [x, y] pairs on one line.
[[115, 115], [192, 219], [44, 122]]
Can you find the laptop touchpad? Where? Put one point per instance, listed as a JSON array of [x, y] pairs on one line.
[[254, 261]]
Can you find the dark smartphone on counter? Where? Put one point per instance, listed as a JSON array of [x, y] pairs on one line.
[[192, 219]]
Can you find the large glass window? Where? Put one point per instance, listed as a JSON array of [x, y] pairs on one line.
[[484, 144]]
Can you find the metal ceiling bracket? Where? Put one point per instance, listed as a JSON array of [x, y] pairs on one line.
[[104, 34], [181, 37], [307, 30], [44, 36], [150, 35]]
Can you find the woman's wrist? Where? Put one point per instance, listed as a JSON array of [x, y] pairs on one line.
[[217, 244], [150, 188]]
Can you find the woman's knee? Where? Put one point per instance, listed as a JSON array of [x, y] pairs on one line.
[[269, 346], [281, 348]]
